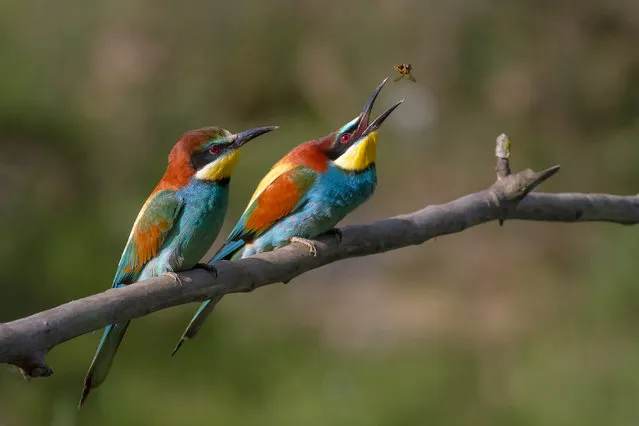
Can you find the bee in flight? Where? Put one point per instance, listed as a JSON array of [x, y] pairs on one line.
[[404, 71]]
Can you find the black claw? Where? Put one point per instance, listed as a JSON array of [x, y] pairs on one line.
[[210, 268], [337, 233]]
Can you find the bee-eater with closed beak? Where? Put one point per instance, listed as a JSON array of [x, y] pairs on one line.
[[305, 194], [178, 223]]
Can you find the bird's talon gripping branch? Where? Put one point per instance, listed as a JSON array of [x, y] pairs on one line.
[[210, 268], [308, 243], [176, 277]]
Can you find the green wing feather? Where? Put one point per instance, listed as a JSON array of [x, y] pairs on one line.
[[153, 223]]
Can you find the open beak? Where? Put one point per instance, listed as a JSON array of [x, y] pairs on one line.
[[241, 138], [377, 123], [365, 115]]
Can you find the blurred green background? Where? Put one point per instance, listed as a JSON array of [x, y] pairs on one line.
[[529, 324]]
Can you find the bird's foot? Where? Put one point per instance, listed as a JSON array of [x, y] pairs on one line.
[[308, 243], [337, 233], [176, 277], [210, 268]]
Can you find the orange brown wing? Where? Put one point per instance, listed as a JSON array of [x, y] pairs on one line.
[[280, 198]]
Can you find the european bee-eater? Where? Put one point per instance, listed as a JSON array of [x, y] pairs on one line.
[[305, 194], [178, 223]]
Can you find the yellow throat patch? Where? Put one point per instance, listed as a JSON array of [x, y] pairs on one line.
[[359, 156], [219, 169]]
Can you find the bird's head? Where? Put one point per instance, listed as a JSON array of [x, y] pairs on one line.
[[353, 131], [210, 153], [360, 152]]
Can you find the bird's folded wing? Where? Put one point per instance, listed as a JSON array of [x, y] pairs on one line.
[[155, 220], [282, 196]]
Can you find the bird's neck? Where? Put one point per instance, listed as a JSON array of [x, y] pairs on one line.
[[177, 175]]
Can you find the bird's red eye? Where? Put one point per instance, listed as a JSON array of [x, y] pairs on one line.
[[345, 138], [214, 149]]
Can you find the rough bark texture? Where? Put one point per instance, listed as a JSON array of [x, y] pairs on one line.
[[25, 342]]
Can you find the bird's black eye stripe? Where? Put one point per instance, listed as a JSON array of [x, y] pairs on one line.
[[207, 155], [200, 160]]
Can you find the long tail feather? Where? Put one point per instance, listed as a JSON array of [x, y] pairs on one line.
[[197, 321], [227, 252], [103, 358]]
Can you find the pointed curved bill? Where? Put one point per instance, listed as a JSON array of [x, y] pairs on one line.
[[365, 115], [243, 137], [377, 123]]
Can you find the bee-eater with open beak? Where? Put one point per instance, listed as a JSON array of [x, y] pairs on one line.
[[305, 194], [178, 223]]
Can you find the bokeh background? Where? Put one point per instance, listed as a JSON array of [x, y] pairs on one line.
[[528, 324]]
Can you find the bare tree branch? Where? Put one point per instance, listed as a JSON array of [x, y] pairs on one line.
[[25, 342]]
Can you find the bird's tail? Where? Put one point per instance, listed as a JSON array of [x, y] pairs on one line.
[[227, 252], [103, 358], [197, 321]]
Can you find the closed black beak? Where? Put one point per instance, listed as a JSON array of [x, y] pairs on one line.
[[243, 137]]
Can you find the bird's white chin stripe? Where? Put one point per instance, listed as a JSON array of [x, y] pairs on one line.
[[220, 168]]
